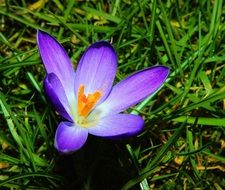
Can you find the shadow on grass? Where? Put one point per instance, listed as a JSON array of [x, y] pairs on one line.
[[100, 164]]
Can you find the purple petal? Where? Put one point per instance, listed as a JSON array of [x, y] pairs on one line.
[[56, 95], [134, 89], [69, 138], [118, 125], [56, 60], [97, 68]]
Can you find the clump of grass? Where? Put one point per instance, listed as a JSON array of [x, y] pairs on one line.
[[182, 145]]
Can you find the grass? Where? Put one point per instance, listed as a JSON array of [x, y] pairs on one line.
[[182, 145]]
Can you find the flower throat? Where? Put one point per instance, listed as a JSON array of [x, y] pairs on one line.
[[87, 103]]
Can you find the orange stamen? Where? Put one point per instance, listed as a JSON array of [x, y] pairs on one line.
[[87, 103]]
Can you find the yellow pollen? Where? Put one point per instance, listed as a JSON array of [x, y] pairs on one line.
[[86, 103]]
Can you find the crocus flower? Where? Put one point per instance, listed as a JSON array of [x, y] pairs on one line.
[[87, 99]]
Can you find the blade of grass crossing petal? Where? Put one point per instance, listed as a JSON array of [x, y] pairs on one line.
[[141, 106]]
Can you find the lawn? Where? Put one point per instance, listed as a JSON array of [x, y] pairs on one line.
[[182, 145]]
